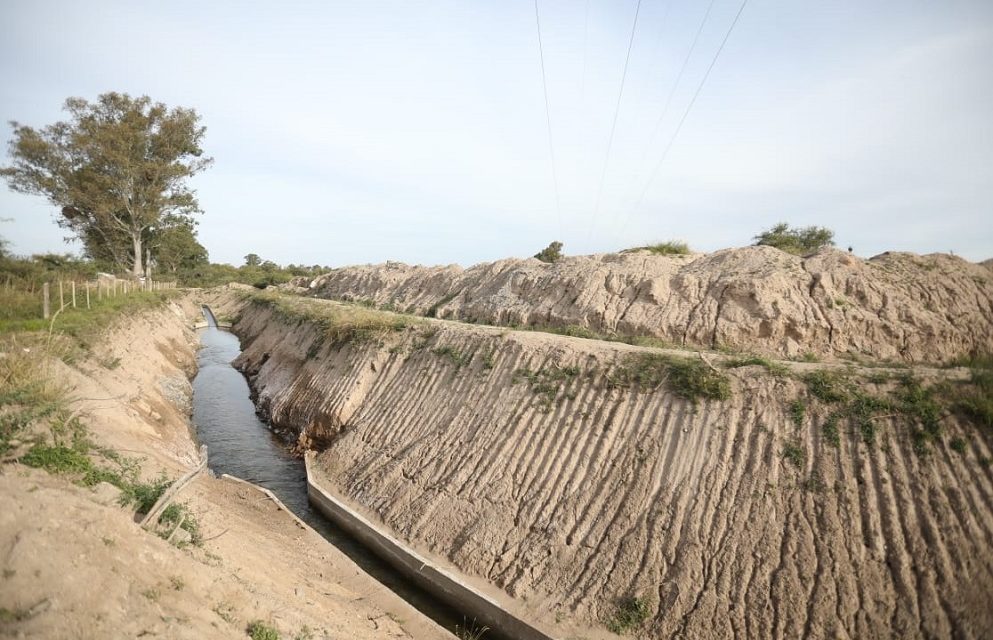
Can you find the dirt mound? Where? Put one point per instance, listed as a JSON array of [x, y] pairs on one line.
[[609, 486], [894, 306]]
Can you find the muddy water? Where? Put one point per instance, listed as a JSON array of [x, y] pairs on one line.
[[241, 445]]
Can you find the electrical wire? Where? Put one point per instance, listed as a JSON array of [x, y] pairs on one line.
[[548, 117], [675, 84], [613, 126], [689, 107]]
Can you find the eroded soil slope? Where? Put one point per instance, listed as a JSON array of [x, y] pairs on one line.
[[76, 564], [575, 473], [898, 306]]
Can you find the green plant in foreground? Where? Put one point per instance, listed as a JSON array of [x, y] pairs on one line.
[[690, 379], [775, 369], [798, 411], [631, 613], [795, 454], [259, 630], [470, 631], [827, 386]]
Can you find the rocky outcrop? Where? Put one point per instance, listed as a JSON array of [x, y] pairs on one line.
[[525, 460], [895, 306]]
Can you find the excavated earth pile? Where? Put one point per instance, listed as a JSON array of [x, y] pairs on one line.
[[606, 486], [897, 306]]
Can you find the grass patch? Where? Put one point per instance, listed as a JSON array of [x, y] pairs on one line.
[[690, 379], [798, 411], [667, 248], [631, 613], [454, 356], [338, 324], [827, 386], [794, 453], [259, 630], [830, 430], [546, 383], [957, 445], [776, 369]]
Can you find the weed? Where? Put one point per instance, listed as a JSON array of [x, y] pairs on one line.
[[489, 360], [546, 383], [452, 355], [690, 379], [813, 483], [798, 411], [225, 612], [259, 630], [776, 369], [795, 454], [957, 445], [339, 324], [668, 248], [152, 594], [470, 630], [630, 614], [108, 541], [180, 514], [305, 633], [827, 386], [830, 429], [809, 356]]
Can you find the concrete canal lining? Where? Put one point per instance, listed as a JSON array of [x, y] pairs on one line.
[[442, 583]]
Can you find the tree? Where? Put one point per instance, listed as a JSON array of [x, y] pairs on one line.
[[797, 241], [117, 168], [551, 253], [253, 260], [175, 248]]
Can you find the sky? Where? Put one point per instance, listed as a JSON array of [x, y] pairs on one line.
[[360, 132]]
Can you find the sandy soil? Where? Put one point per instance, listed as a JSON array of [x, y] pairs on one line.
[[76, 565], [729, 518], [898, 306]]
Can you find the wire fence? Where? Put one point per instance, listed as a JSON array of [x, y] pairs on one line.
[[75, 294]]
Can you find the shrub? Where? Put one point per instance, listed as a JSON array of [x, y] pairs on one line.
[[667, 248], [799, 241], [631, 613], [258, 630], [551, 253]]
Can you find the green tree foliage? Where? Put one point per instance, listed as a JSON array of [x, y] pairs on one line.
[[551, 253], [798, 241], [253, 260], [117, 169], [175, 248]]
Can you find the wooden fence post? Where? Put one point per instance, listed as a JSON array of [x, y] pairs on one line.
[[73, 283], [46, 306], [62, 298], [87, 295]]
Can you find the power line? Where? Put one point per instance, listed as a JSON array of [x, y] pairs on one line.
[[679, 77], [689, 107], [548, 116], [613, 126], [586, 38]]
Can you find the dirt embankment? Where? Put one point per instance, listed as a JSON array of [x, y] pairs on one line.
[[533, 462], [77, 565], [898, 306]]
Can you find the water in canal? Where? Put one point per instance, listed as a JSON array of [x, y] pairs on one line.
[[241, 445]]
